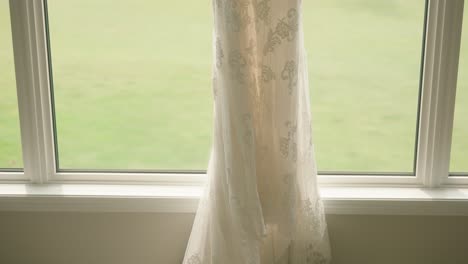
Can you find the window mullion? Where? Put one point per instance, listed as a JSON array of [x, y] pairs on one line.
[[32, 86], [439, 86]]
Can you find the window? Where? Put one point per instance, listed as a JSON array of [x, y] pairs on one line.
[[459, 156], [119, 91], [364, 81], [10, 137], [129, 94]]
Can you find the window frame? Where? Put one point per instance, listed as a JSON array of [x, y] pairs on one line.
[[440, 83], [437, 101]]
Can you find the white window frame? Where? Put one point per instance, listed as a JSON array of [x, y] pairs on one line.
[[441, 55], [439, 90]]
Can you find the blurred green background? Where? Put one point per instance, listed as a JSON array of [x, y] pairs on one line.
[[10, 139], [132, 84]]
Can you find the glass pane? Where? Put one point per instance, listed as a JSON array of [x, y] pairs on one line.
[[364, 71], [10, 137], [459, 153], [132, 83]]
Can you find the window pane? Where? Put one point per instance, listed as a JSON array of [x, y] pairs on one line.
[[364, 71], [10, 137], [459, 153], [132, 83]]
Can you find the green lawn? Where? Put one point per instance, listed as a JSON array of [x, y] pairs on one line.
[[132, 84], [10, 139]]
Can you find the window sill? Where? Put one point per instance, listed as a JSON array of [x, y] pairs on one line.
[[184, 199]]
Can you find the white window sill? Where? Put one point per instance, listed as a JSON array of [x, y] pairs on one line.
[[184, 199]]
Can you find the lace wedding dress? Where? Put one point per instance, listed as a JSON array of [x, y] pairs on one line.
[[261, 204]]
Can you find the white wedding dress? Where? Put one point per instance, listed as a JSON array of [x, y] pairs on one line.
[[261, 204]]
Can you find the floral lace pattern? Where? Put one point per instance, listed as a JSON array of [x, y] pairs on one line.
[[288, 146], [237, 16], [219, 54], [263, 10], [285, 29], [289, 73], [261, 203], [237, 63], [267, 73]]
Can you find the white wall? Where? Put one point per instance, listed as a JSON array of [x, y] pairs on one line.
[[141, 238]]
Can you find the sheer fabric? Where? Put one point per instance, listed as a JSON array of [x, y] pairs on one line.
[[261, 203]]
